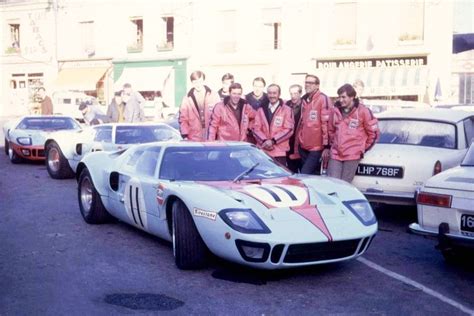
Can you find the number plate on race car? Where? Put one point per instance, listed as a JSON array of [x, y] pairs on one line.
[[379, 171], [467, 223]]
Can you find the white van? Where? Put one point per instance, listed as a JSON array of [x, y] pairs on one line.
[[67, 102]]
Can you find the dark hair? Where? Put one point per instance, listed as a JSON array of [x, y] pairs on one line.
[[228, 76], [348, 89], [313, 76], [196, 75], [127, 85], [274, 85], [84, 104], [259, 79], [118, 93], [300, 88], [158, 94], [235, 85]]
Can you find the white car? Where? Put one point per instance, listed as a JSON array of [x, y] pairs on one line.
[[413, 146], [63, 151], [379, 106], [446, 208]]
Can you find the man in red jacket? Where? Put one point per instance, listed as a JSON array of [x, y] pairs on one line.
[[353, 131], [273, 125], [312, 138], [196, 109], [232, 118]]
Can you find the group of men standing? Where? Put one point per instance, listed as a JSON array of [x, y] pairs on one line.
[[302, 133]]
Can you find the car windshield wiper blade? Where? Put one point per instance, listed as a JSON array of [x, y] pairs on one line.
[[246, 172]]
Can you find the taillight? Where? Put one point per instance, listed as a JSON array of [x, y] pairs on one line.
[[437, 168], [433, 199]]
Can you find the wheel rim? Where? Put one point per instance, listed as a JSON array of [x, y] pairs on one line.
[[174, 238], [53, 159], [86, 195], [10, 153]]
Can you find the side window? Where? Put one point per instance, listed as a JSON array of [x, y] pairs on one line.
[[134, 158], [148, 161], [469, 130], [103, 134]]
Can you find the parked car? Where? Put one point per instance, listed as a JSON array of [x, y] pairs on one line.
[[413, 146], [25, 136], [379, 106], [228, 198], [65, 150], [446, 208]]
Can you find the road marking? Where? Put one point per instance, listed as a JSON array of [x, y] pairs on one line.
[[417, 285]]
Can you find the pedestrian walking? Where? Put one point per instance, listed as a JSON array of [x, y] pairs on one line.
[[196, 109], [274, 125], [46, 103], [232, 119], [293, 160], [134, 105], [353, 131], [312, 139]]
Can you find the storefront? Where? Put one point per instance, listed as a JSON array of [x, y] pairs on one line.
[[92, 77], [399, 77]]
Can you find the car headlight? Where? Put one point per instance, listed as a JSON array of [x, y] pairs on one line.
[[362, 210], [244, 221], [24, 140]]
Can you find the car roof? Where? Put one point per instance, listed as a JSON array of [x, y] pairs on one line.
[[441, 115], [189, 144], [46, 116], [134, 124]]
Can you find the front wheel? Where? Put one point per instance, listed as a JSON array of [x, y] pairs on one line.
[[56, 164], [14, 158], [90, 204], [6, 147], [189, 249]]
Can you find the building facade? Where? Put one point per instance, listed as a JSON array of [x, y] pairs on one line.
[[398, 49]]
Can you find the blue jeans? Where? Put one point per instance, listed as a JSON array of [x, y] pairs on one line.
[[311, 161]]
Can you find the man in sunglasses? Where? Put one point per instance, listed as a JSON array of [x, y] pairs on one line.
[[312, 139]]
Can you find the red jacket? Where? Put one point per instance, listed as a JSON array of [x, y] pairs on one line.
[[224, 125], [352, 135], [190, 124], [312, 133], [279, 129]]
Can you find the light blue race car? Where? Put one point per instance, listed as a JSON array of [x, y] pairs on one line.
[[229, 199]]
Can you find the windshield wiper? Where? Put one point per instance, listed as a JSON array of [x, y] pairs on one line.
[[246, 172]]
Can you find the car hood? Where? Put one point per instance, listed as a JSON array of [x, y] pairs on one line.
[[38, 137], [458, 178]]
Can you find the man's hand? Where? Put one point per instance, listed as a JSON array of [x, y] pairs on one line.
[[325, 156], [268, 144]]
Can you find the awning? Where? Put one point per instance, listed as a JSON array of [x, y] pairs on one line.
[[377, 81], [83, 79], [463, 42], [144, 78]]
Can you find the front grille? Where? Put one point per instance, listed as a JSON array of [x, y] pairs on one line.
[[40, 152], [321, 251]]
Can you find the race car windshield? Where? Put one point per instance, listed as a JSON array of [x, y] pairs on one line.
[[48, 123], [215, 163]]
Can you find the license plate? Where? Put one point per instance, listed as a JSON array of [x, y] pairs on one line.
[[379, 171], [467, 223]]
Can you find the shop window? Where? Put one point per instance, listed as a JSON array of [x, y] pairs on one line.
[[412, 20], [226, 36], [136, 32], [87, 37], [271, 29], [345, 34], [466, 88], [166, 40], [14, 45]]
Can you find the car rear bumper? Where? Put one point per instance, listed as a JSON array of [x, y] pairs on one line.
[[444, 235], [395, 198]]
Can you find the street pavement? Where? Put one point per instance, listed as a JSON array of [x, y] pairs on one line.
[[53, 263]]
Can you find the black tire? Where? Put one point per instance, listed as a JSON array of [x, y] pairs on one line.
[[56, 164], [14, 158], [453, 255], [6, 147], [90, 204], [189, 249]]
